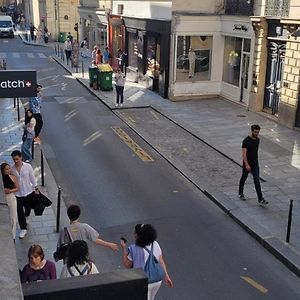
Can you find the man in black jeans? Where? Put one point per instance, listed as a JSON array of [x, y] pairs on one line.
[[250, 163]]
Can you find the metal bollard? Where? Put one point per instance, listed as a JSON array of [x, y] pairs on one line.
[[32, 149], [289, 222], [14, 102], [4, 64], [58, 209], [82, 68], [42, 168], [18, 108]]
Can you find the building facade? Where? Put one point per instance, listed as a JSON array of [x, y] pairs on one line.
[[276, 70]]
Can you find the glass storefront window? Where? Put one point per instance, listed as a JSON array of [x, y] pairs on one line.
[[232, 60], [132, 50], [193, 58], [153, 64]]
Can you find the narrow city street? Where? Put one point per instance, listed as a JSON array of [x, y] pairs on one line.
[[119, 180]]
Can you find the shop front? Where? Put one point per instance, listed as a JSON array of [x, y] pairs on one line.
[[147, 44]]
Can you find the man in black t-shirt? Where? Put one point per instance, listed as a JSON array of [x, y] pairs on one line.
[[250, 163]]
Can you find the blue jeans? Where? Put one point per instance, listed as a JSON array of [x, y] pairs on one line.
[[120, 96], [26, 149], [255, 174]]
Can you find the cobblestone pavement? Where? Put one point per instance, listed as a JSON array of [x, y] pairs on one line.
[[202, 139]]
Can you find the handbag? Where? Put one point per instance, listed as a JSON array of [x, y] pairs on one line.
[[153, 268], [62, 251], [24, 136]]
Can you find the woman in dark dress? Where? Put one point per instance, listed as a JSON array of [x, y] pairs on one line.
[[11, 186], [38, 267]]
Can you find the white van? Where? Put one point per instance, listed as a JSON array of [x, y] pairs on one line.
[[6, 26]]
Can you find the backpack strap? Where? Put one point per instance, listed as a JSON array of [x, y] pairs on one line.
[[149, 251]]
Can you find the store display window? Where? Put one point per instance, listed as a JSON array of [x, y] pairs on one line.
[[193, 58]]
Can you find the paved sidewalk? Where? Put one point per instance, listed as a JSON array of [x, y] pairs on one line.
[[41, 229], [222, 126]]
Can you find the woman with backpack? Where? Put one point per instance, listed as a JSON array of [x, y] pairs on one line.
[[78, 262], [28, 136], [146, 254]]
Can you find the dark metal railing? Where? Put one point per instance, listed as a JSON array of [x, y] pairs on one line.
[[277, 8], [239, 7]]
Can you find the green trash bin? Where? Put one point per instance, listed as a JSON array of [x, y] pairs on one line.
[[105, 81], [62, 37], [93, 76]]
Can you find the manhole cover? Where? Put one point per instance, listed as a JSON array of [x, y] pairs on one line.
[[241, 116]]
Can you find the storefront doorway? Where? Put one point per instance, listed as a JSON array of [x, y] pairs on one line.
[[244, 77], [275, 64]]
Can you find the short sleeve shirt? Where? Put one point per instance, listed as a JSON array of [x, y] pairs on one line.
[[156, 251], [252, 149]]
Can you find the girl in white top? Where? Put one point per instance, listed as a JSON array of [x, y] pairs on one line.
[[145, 236], [78, 263]]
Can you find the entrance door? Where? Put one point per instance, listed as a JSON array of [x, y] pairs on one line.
[[244, 77], [276, 54]]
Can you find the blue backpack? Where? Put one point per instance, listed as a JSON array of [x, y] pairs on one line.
[[153, 268]]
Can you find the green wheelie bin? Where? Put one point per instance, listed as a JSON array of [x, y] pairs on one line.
[[105, 81], [62, 37], [93, 76]]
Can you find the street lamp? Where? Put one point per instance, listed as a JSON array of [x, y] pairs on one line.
[[77, 32]]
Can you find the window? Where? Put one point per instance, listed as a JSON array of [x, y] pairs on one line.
[[193, 58], [277, 8], [232, 60], [120, 9], [132, 50], [153, 61]]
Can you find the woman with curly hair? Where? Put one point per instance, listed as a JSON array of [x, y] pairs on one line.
[[137, 255]]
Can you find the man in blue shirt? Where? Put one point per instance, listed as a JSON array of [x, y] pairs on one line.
[[35, 105]]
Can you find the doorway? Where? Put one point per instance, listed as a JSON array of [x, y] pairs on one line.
[[244, 77]]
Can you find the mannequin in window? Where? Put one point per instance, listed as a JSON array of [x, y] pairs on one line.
[[233, 62], [192, 60]]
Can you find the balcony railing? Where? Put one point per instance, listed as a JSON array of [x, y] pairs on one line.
[[277, 8], [239, 7]]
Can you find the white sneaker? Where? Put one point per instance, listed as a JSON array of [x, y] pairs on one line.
[[121, 104], [117, 104], [22, 234]]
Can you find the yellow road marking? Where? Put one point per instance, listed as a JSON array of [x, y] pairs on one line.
[[255, 284], [142, 154], [154, 115]]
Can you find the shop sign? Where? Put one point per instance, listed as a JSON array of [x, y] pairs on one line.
[[17, 84], [240, 27]]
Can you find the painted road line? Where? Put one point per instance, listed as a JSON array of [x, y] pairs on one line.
[[154, 115], [142, 154], [42, 55], [3, 55], [30, 55], [16, 55], [255, 284]]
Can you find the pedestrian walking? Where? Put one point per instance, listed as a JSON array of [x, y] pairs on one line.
[[122, 60], [84, 48], [32, 29], [28, 136], [38, 268], [82, 231], [70, 37], [137, 254], [11, 186], [106, 56], [46, 35], [78, 263], [35, 104], [120, 80], [250, 163], [68, 49], [99, 57], [94, 53], [27, 188]]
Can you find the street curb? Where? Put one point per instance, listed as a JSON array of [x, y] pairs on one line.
[[29, 43], [282, 251]]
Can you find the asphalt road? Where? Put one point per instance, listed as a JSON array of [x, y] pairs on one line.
[[209, 256]]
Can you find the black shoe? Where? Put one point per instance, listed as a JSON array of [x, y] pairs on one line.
[[262, 201], [242, 197]]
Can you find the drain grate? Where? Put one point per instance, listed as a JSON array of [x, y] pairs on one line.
[[241, 116]]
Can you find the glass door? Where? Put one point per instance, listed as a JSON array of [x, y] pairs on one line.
[[244, 77]]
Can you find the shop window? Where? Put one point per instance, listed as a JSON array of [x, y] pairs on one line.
[[153, 61], [132, 50], [232, 60], [193, 58]]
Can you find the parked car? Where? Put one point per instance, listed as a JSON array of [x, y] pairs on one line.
[[6, 26]]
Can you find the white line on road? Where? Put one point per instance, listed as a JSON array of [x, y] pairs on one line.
[[42, 55], [16, 55], [3, 55], [30, 55]]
